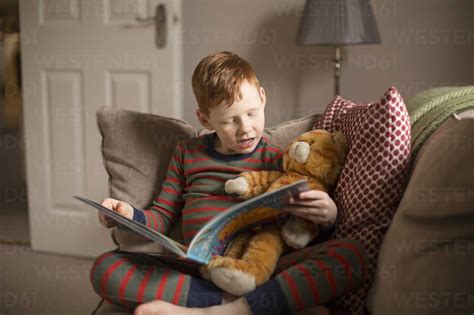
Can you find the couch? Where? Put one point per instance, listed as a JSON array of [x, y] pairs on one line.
[[424, 264]]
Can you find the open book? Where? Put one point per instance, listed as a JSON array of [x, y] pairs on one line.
[[214, 236]]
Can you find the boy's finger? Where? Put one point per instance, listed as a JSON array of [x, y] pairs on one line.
[[106, 222], [108, 203], [312, 203], [125, 210], [105, 205], [307, 212], [303, 202], [121, 208], [312, 194]]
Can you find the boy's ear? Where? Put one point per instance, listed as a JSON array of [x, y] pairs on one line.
[[204, 120], [263, 96]]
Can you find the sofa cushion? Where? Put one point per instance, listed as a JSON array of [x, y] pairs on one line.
[[136, 148], [372, 181], [425, 264], [284, 133]]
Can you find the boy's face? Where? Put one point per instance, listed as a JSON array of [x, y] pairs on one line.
[[239, 127]]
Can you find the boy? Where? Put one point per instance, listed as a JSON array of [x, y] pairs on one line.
[[231, 103]]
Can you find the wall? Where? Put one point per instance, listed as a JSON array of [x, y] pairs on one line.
[[425, 43]]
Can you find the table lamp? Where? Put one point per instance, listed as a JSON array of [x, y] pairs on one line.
[[338, 23]]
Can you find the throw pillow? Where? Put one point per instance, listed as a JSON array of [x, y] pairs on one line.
[[137, 148], [373, 178]]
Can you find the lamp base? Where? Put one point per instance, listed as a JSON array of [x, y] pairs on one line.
[[337, 70]]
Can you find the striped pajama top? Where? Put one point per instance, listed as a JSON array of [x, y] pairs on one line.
[[194, 184]]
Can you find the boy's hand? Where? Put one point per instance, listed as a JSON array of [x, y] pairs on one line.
[[314, 205], [121, 207]]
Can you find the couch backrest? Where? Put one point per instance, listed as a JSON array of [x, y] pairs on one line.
[[136, 148], [284, 133]]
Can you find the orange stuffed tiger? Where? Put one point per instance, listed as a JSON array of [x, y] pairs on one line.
[[316, 156]]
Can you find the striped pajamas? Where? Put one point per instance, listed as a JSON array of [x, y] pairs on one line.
[[194, 184], [304, 278], [194, 189]]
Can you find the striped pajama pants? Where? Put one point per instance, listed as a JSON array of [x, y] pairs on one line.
[[303, 279]]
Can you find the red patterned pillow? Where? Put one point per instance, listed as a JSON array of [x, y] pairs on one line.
[[372, 181]]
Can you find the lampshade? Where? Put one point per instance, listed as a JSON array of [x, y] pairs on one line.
[[338, 22]]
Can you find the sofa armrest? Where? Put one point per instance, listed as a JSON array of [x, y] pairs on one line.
[[424, 265]]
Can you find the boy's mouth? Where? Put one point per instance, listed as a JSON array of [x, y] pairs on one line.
[[246, 143]]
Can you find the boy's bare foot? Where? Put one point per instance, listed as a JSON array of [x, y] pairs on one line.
[[163, 308], [237, 307]]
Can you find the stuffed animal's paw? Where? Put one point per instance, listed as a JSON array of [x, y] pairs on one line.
[[295, 235], [237, 186], [233, 281], [227, 277]]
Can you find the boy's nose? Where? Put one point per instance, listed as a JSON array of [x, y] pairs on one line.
[[245, 126]]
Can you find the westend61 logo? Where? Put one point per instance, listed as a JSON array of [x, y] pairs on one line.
[[16, 300], [436, 299], [13, 194], [435, 37]]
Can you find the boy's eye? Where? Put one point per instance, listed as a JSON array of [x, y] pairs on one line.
[[252, 114]]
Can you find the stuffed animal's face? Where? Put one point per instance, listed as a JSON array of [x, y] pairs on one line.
[[317, 153]]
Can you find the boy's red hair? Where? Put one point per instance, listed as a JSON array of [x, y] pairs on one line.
[[218, 77]]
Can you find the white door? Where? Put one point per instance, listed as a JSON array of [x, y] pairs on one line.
[[79, 55]]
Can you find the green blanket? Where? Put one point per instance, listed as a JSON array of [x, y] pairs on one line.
[[430, 108]]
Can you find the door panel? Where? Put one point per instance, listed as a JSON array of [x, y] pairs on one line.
[[84, 55]]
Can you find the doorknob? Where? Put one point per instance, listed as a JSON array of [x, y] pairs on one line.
[[161, 29]]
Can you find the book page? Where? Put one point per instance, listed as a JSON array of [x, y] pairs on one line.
[[216, 234], [139, 228]]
